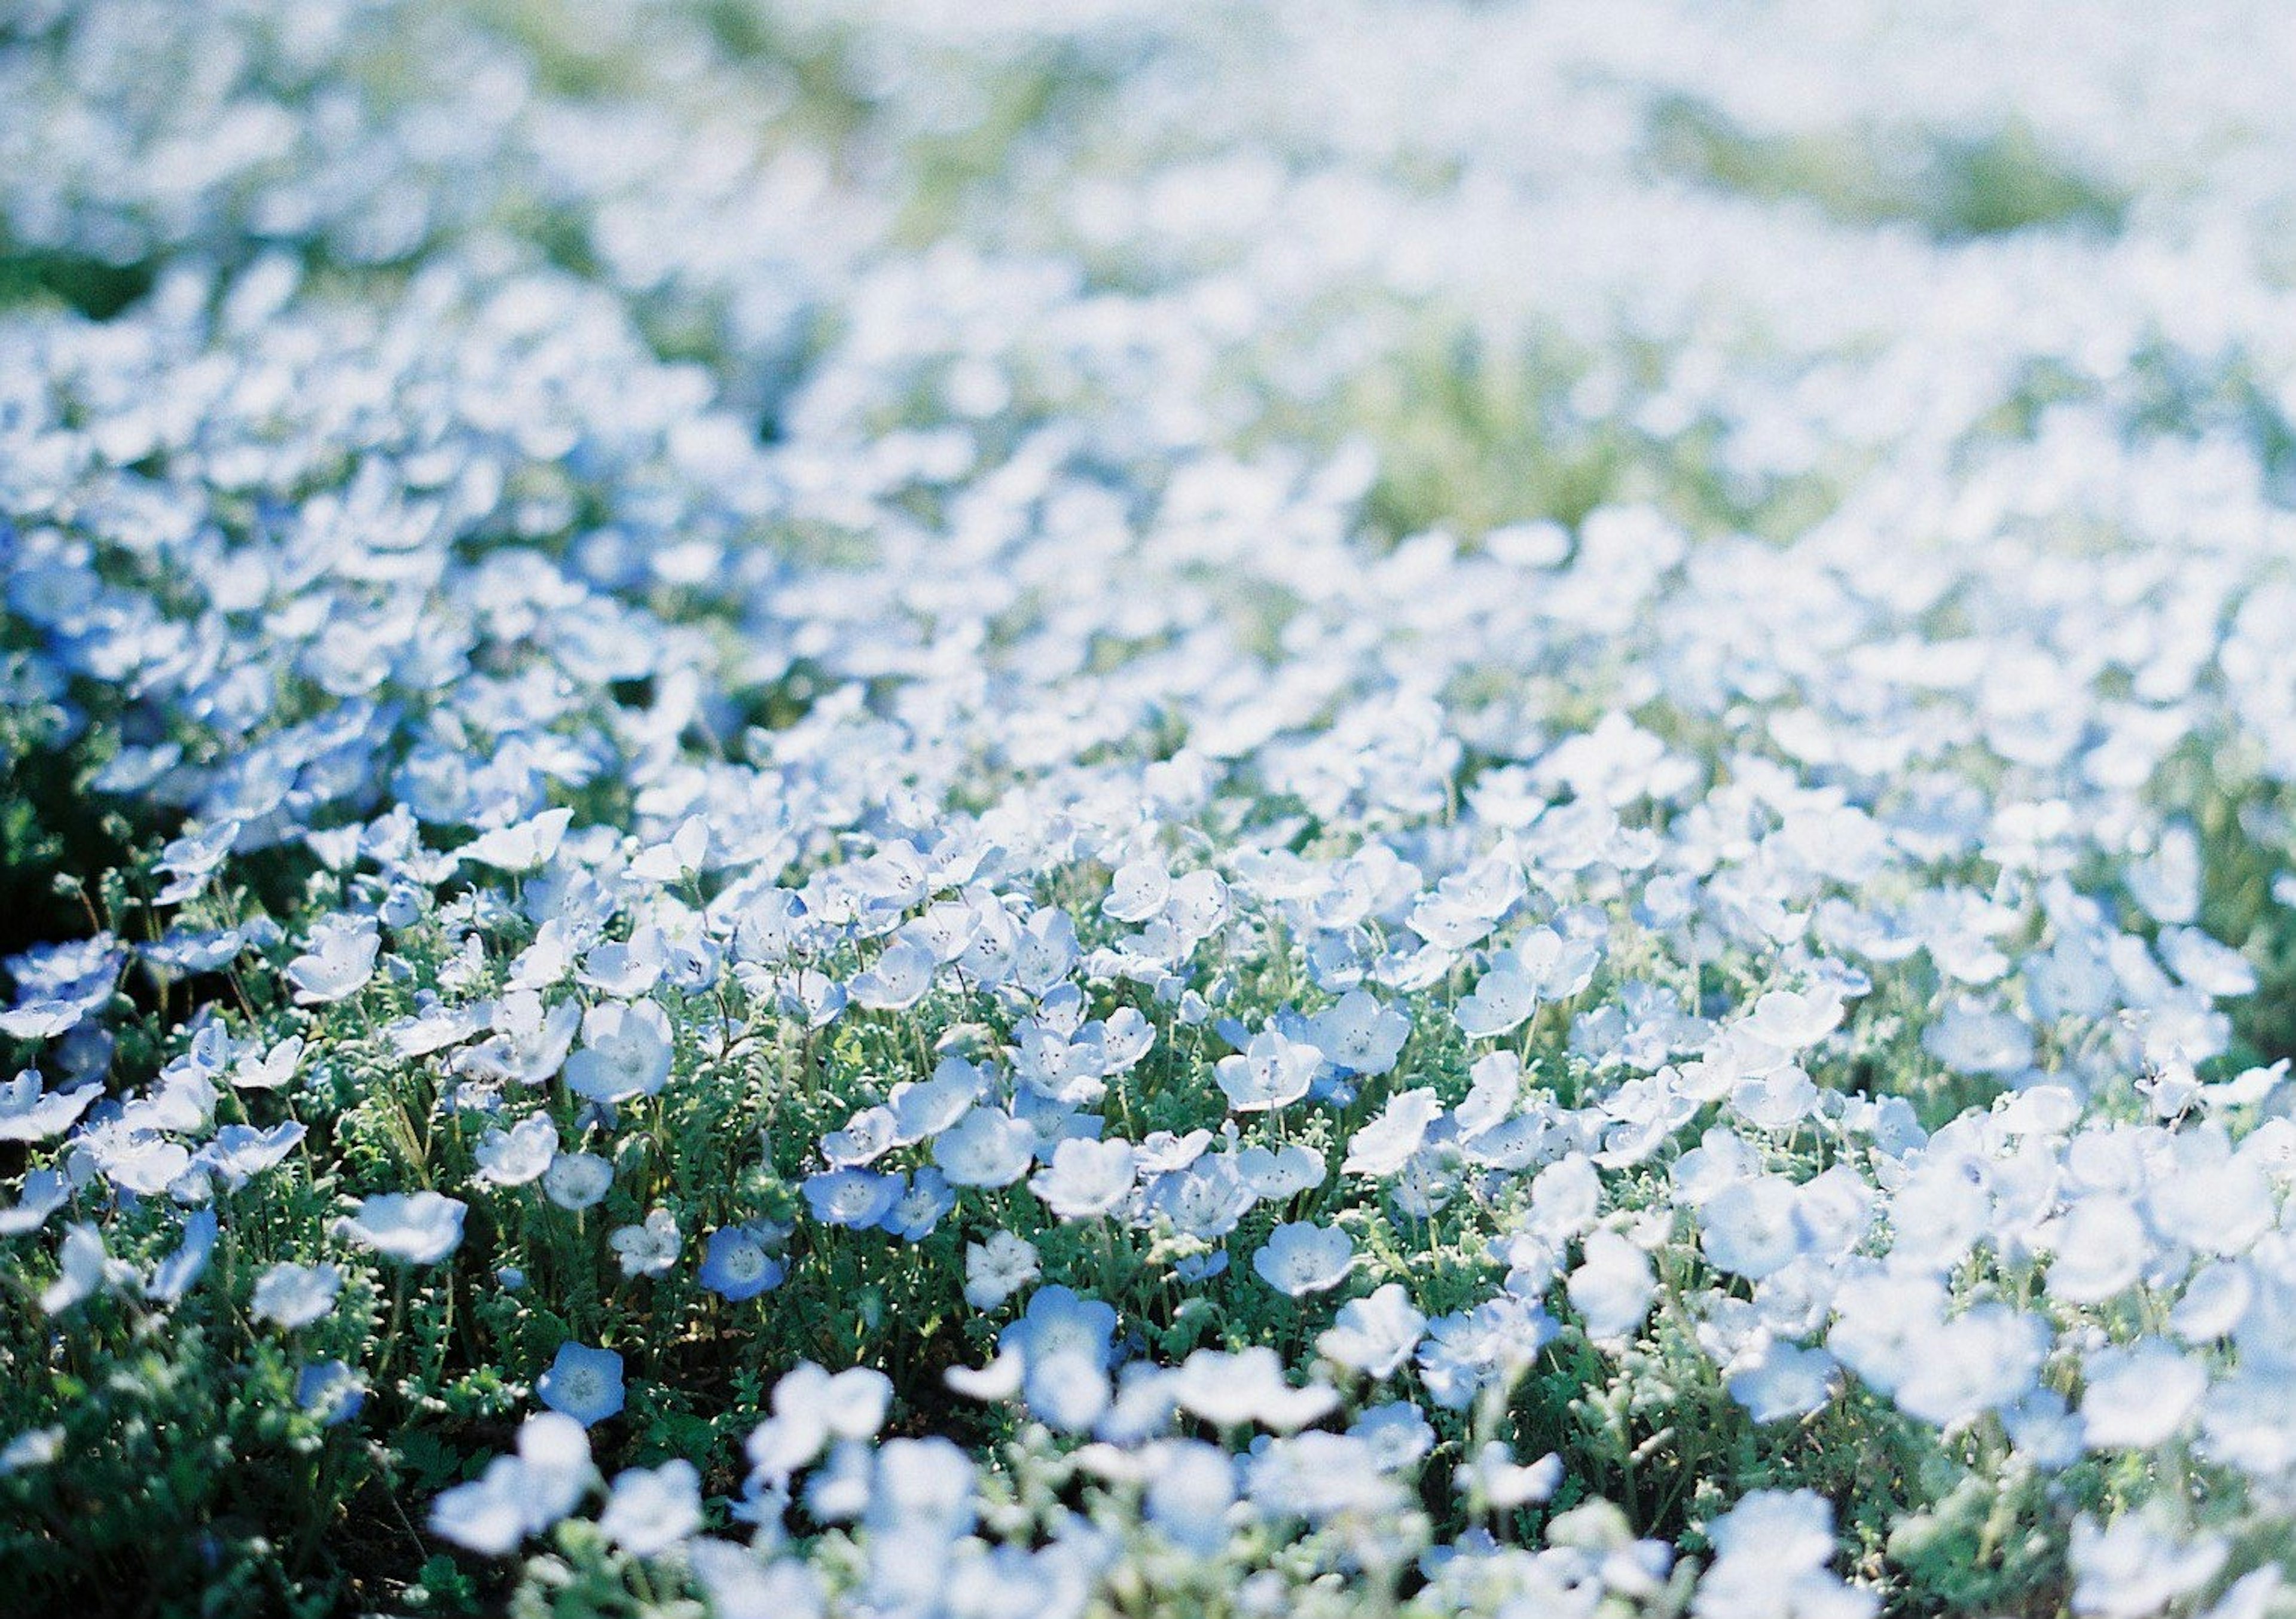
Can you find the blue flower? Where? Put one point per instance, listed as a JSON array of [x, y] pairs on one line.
[[584, 1383], [919, 1209], [735, 1265], [857, 1198], [1059, 1323], [331, 1391]]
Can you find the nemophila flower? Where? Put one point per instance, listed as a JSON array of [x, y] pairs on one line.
[[1085, 1178], [577, 1180], [996, 1268], [1494, 1480], [920, 1503], [331, 1391], [1068, 1392], [45, 1192], [920, 1206], [1000, 1379], [521, 1495], [1191, 1493], [29, 1112], [1771, 1550], [1357, 1034], [2215, 1299], [530, 1040], [1273, 1071], [897, 980], [742, 1583], [417, 1227], [1381, 1148], [1468, 1351], [1138, 889], [1284, 1172], [2042, 1428], [514, 1157], [627, 1048], [654, 1509], [925, 1108], [1501, 999], [1246, 1388], [2100, 1248], [810, 1408], [2139, 1396], [33, 1447], [1751, 1228], [1399, 1436], [1974, 1039], [626, 968], [1565, 1198], [736, 1264], [812, 996], [1205, 1200], [136, 1161], [582, 1383], [985, 1148], [1612, 1286], [1375, 1335], [1299, 1258], [1059, 1323], [83, 1267], [293, 1296], [174, 1276], [856, 1197], [1782, 1381], [867, 1137], [650, 1250], [1981, 1360], [1792, 1021], [1319, 1476], [522, 845], [45, 1017], [2133, 1568], [338, 962], [268, 1070], [2218, 1202]]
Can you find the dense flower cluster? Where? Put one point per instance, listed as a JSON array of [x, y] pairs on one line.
[[1001, 809]]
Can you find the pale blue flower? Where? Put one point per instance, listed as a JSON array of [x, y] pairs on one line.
[[419, 1228], [582, 1383]]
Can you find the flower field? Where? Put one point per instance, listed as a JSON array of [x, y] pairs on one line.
[[980, 809]]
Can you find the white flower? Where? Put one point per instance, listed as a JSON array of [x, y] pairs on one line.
[[1381, 1148], [522, 1153], [1086, 1178], [1273, 1071], [653, 1508], [650, 1250], [420, 1228], [996, 1268], [1612, 1287], [2139, 1396], [1232, 1390], [295, 1296], [2134, 1569], [625, 1052], [985, 1148], [1300, 1258], [577, 1180], [1359, 1036], [1784, 1381], [339, 961], [1375, 1336]]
